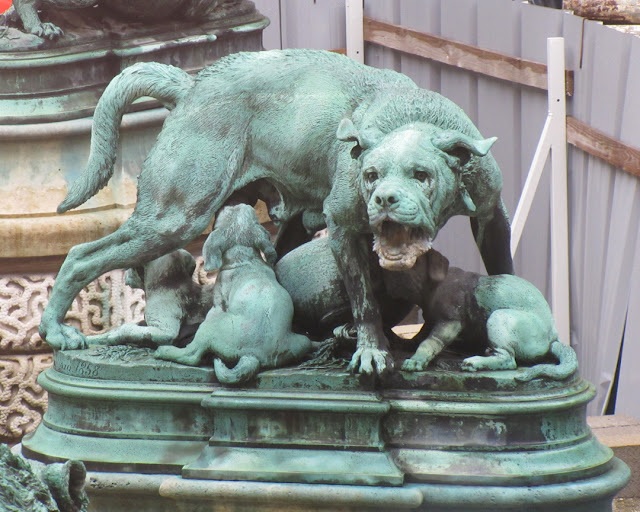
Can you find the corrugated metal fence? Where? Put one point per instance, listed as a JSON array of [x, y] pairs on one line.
[[604, 201]]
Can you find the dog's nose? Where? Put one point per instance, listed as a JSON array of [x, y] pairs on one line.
[[386, 197]]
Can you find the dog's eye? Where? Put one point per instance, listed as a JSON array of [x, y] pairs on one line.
[[421, 176], [371, 176]]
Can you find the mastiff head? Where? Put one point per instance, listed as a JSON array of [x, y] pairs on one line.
[[412, 181]]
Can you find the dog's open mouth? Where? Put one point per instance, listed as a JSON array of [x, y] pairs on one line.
[[398, 245]]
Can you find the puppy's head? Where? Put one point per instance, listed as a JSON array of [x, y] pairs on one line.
[[236, 226]]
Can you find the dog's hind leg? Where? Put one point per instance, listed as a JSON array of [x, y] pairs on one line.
[[505, 329], [190, 355], [135, 243]]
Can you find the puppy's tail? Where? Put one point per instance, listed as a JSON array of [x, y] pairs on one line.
[[165, 83], [246, 369], [567, 364]]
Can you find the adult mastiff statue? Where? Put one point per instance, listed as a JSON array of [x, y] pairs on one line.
[[362, 149]]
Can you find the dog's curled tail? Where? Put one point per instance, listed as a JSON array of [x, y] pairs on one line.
[[567, 364], [167, 84], [246, 369]]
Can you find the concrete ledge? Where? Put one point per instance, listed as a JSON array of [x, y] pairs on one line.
[[622, 434]]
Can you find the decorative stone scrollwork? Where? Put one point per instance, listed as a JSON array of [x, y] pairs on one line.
[[22, 400], [105, 303]]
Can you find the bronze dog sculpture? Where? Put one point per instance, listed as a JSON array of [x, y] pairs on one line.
[[250, 320], [361, 149]]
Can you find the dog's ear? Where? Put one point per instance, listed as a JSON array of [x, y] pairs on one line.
[[461, 146], [212, 252], [263, 244], [437, 266], [187, 262], [347, 132], [133, 279]]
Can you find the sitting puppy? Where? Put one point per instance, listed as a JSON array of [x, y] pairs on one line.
[[175, 304], [250, 320], [503, 314]]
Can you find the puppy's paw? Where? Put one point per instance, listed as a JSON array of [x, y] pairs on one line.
[[472, 364], [368, 360], [167, 352], [415, 365]]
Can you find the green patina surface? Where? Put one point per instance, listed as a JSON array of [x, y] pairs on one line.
[[316, 136], [453, 437], [35, 487]]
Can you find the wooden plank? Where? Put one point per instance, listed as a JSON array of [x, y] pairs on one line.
[[458, 21], [375, 55], [460, 55], [423, 16], [600, 145]]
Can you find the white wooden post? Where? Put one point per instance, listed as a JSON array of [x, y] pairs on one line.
[[554, 139], [355, 30], [559, 192]]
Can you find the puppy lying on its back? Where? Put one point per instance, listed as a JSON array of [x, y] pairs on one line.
[[249, 323]]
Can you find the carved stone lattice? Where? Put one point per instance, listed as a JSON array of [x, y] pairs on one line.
[[22, 400], [105, 303]]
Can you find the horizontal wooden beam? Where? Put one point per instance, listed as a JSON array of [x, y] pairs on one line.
[[460, 55], [602, 146]]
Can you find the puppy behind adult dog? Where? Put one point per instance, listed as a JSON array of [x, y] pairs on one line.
[[174, 304], [504, 315], [360, 149], [249, 323]]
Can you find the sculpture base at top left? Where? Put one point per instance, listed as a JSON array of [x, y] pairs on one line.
[[48, 93]]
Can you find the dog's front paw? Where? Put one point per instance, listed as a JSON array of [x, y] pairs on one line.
[[369, 360], [415, 365], [473, 364], [63, 337]]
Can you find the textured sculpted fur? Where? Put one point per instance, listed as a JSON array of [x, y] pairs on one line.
[[364, 149], [249, 323]]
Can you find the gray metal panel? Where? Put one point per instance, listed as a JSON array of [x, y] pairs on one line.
[[603, 297], [376, 56], [422, 15], [271, 35], [459, 22], [313, 24], [498, 100]]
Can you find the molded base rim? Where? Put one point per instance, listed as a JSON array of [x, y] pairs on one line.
[[593, 494]]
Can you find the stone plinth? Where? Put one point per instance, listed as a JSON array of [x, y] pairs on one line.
[[322, 439]]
